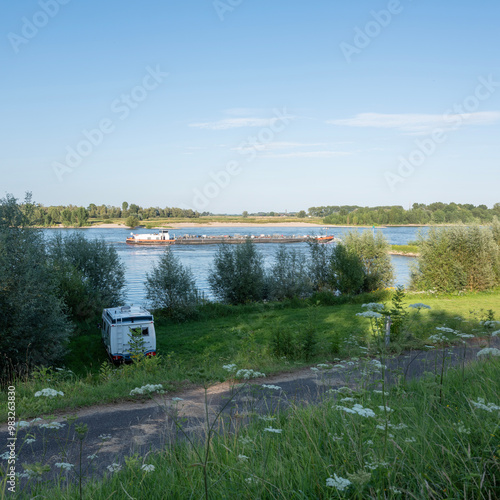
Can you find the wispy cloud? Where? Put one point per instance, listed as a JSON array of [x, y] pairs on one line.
[[277, 145], [279, 149], [416, 123], [229, 123], [307, 154]]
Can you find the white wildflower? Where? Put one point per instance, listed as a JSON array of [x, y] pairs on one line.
[[273, 387], [114, 467], [490, 323], [419, 306], [267, 419], [395, 490], [52, 425], [357, 409], [410, 440], [369, 442], [243, 458], [346, 399], [248, 374], [250, 480], [461, 428], [146, 389], [22, 424], [148, 468], [338, 482], [105, 437], [374, 306], [485, 406], [445, 329], [495, 333], [493, 351], [64, 465], [92, 457], [48, 393], [314, 369], [385, 408], [322, 365], [176, 399], [7, 456], [29, 440], [398, 427], [28, 474], [275, 431], [376, 391], [438, 338], [377, 364], [229, 368], [245, 440], [370, 314]]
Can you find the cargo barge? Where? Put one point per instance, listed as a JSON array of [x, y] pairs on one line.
[[163, 237]]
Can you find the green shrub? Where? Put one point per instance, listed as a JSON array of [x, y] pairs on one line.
[[319, 265], [132, 221], [373, 251], [457, 258], [289, 277], [170, 287], [34, 328], [89, 274], [347, 272], [238, 275]]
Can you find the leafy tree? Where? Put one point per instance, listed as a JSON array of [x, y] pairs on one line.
[[171, 287], [319, 265], [301, 214], [80, 216], [289, 275], [347, 271], [34, 329], [244, 214], [132, 221], [88, 273], [238, 275], [124, 206], [458, 258], [373, 251]]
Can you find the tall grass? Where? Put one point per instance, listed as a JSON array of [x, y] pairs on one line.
[[355, 443]]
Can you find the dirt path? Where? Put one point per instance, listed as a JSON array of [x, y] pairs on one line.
[[118, 430]]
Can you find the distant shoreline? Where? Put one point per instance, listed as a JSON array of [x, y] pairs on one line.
[[180, 225]]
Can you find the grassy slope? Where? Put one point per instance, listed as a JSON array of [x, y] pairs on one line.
[[435, 443], [244, 337]]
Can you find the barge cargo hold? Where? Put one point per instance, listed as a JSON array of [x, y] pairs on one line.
[[164, 238]]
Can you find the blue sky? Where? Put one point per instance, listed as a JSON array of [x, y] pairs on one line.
[[236, 105]]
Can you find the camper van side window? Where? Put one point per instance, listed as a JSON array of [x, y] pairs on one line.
[[145, 331]]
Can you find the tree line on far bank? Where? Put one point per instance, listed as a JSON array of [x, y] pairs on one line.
[[51, 285], [419, 213]]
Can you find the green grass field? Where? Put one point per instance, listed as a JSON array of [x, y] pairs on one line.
[[429, 438], [273, 337]]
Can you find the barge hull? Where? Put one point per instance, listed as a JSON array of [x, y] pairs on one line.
[[231, 241]]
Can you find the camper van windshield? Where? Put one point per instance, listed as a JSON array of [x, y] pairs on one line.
[[137, 319]]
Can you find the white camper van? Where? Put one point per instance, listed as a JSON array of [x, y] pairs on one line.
[[115, 329]]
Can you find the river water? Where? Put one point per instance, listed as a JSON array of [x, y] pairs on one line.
[[139, 260]]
